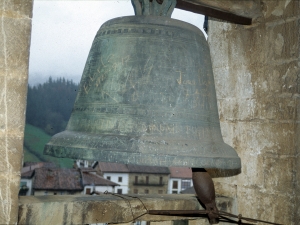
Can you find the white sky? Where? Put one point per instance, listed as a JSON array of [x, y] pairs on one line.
[[63, 32]]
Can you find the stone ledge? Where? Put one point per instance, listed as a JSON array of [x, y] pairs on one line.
[[81, 209]]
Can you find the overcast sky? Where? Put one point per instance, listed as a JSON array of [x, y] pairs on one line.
[[63, 32]]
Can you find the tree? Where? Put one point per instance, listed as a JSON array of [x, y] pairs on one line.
[[49, 105]]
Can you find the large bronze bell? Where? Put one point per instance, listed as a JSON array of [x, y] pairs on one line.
[[147, 97]]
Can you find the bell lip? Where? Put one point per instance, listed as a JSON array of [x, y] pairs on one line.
[[129, 157], [154, 20]]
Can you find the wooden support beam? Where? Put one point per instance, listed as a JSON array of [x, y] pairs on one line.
[[106, 208], [230, 17]]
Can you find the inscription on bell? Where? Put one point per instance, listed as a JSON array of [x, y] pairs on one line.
[[147, 97]]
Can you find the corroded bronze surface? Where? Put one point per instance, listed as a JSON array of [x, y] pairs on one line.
[[147, 97]]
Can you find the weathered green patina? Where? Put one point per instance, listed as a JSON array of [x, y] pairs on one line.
[[147, 97]]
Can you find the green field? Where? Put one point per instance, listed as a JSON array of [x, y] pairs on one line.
[[34, 142]]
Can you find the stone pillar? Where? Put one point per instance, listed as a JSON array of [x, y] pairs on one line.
[[256, 71], [15, 23]]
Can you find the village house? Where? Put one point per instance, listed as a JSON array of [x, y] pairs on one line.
[[27, 175], [57, 181], [93, 183], [148, 179], [180, 179], [134, 179], [115, 172], [49, 180]]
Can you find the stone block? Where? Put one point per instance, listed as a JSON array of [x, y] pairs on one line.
[[247, 199], [279, 174], [15, 44], [276, 108], [252, 174], [278, 9], [3, 112], [297, 208], [234, 109], [276, 208], [199, 222], [16, 92], [17, 8], [11, 151], [269, 207], [243, 45], [273, 138], [223, 76], [282, 41], [225, 188], [9, 186], [280, 81], [297, 174]]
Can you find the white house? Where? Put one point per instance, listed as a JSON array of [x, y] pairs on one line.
[[117, 173], [180, 179], [95, 183]]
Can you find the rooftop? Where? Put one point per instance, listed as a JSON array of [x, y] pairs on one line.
[[57, 179], [93, 179], [181, 172], [113, 167], [107, 167], [148, 169]]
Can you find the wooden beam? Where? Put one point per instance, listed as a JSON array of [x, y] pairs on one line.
[[105, 208], [212, 12]]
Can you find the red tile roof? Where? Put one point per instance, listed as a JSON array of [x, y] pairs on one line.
[[93, 179], [113, 167], [148, 169], [181, 172], [106, 167], [57, 179]]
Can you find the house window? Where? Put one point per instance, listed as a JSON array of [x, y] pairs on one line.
[[119, 179], [119, 191], [185, 184], [161, 180], [108, 177], [174, 192], [146, 191], [160, 191], [147, 180], [135, 191], [136, 179], [175, 184], [87, 191], [23, 183]]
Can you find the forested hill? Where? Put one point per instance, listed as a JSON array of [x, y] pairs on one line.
[[49, 105]]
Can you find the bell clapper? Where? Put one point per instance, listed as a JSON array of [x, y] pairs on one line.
[[205, 190]]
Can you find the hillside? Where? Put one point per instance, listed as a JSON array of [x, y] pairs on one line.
[[34, 142]]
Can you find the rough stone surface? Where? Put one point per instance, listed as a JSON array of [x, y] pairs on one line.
[[78, 209], [256, 70], [15, 28]]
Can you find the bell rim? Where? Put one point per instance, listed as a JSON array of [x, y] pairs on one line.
[[138, 158]]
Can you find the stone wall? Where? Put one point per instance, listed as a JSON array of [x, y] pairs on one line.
[[256, 71], [15, 29]]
